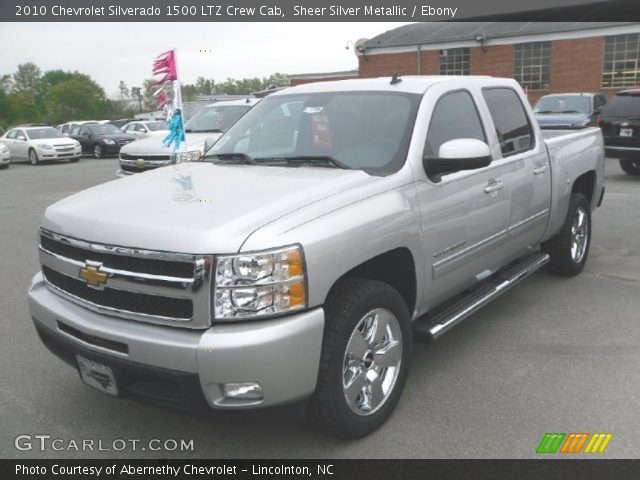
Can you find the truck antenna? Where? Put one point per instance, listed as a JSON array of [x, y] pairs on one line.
[[395, 79]]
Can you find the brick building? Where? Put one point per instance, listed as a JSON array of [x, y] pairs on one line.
[[545, 57]]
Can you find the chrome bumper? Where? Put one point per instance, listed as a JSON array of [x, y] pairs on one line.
[[281, 354]]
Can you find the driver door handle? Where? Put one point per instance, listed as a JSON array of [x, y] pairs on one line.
[[493, 186], [540, 170]]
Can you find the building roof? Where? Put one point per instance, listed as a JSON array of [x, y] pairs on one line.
[[313, 76], [449, 32]]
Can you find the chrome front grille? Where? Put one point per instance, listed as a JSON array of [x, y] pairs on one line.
[[150, 286]]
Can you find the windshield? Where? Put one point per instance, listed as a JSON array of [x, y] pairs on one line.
[[155, 126], [358, 130], [215, 118], [47, 132], [105, 129], [623, 106], [563, 104]]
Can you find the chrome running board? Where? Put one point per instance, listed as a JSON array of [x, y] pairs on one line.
[[434, 324]]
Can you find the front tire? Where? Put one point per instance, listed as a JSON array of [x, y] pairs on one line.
[[569, 249], [630, 166], [33, 157], [365, 357], [98, 151]]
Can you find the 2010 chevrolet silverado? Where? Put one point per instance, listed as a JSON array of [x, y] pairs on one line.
[[331, 225]]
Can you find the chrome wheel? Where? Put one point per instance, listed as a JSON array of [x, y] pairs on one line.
[[97, 151], [33, 157], [372, 361], [579, 235]]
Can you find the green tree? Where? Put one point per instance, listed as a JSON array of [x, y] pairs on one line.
[[78, 98], [27, 78]]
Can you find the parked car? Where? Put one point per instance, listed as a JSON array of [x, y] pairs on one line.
[[206, 125], [146, 128], [100, 139], [5, 156], [620, 124], [326, 228], [120, 122], [38, 142], [569, 110], [65, 128]]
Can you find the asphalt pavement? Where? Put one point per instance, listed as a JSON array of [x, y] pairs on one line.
[[552, 355]]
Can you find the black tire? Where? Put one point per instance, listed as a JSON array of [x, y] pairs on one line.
[[564, 256], [98, 151], [631, 166], [345, 309], [4, 167], [33, 157]]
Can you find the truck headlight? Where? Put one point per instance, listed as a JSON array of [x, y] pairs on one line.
[[191, 156], [260, 284]]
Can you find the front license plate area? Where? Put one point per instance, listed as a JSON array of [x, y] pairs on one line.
[[626, 132], [97, 376]]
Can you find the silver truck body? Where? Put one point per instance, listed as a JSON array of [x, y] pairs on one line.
[[452, 234]]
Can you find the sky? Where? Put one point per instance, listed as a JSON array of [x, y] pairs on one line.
[[110, 52]]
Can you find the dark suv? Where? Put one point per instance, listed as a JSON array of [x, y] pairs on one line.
[[620, 124]]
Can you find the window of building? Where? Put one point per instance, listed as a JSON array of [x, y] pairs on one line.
[[531, 64], [454, 61], [510, 119], [621, 66]]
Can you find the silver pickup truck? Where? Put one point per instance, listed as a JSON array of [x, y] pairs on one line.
[[332, 225]]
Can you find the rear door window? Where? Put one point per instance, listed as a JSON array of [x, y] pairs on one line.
[[510, 119], [623, 106]]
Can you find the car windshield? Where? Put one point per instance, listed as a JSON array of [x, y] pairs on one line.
[[46, 132], [215, 118], [563, 104], [357, 130], [103, 129], [155, 126], [623, 106]]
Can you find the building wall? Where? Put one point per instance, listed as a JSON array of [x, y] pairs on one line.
[[576, 65]]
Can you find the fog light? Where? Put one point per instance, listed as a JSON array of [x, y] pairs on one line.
[[242, 391]]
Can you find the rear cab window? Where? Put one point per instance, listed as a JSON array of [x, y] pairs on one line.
[[623, 105], [513, 127]]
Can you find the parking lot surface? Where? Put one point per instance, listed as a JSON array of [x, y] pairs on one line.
[[552, 355]]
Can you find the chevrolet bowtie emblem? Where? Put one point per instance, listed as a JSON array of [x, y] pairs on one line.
[[91, 274], [140, 163]]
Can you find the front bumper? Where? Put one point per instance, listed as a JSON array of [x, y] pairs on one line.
[[53, 155], [5, 158], [282, 355], [620, 151]]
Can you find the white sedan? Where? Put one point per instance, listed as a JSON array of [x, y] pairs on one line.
[[35, 143], [5, 156], [146, 128]]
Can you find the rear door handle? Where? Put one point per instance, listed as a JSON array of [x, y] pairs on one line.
[[540, 170], [493, 186]]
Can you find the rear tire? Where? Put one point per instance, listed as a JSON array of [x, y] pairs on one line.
[[33, 157], [365, 357], [631, 166], [569, 249]]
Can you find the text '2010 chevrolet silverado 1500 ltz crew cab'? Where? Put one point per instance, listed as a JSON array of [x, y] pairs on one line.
[[330, 226]]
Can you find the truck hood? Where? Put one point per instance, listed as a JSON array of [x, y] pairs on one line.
[[153, 144], [195, 207]]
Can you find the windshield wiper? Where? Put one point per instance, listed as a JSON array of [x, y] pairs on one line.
[[211, 130], [242, 157], [297, 160], [569, 111], [544, 112]]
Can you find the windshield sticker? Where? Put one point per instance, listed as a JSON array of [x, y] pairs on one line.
[[313, 109], [321, 134]]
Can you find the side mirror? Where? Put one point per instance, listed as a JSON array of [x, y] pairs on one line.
[[208, 143], [21, 137], [459, 154]]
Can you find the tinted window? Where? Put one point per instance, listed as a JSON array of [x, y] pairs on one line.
[[454, 116], [215, 118], [75, 131], [104, 129], [510, 119], [623, 106], [563, 104]]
